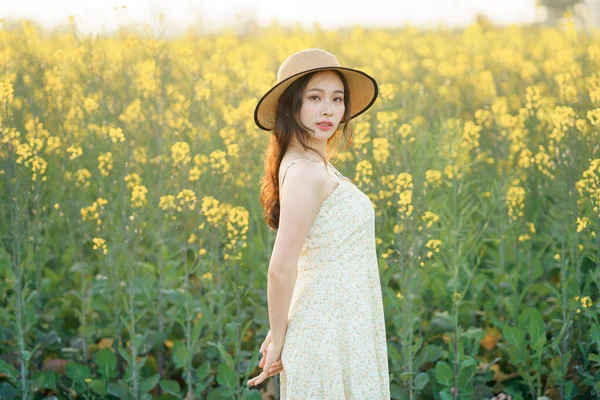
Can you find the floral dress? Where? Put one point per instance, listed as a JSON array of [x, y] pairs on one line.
[[335, 344]]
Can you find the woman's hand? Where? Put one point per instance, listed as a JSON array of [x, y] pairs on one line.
[[271, 363], [276, 367]]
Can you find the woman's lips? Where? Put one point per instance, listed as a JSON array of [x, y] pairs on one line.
[[324, 126]]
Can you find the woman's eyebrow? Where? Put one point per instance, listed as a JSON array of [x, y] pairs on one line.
[[321, 90]]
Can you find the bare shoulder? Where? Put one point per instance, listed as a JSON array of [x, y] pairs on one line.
[[301, 195], [304, 182]]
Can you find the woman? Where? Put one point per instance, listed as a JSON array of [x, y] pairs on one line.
[[327, 334]]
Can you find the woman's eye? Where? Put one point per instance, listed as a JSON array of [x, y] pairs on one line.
[[314, 97], [339, 98]]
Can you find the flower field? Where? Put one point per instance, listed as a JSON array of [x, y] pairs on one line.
[[134, 252]]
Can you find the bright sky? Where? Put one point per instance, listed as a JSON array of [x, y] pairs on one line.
[[100, 15]]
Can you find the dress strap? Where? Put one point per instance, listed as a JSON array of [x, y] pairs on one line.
[[338, 174], [304, 159]]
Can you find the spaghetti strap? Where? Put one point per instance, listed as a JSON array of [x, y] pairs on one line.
[[299, 159]]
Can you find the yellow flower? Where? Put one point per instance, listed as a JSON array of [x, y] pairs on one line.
[[364, 171], [218, 161], [430, 217], [90, 105], [515, 201], [381, 150], [100, 244], [105, 163], [180, 152], [404, 188], [557, 257], [524, 238], [167, 202], [116, 135], [594, 116], [187, 200], [586, 302], [132, 180], [75, 151], [433, 177], [138, 196], [399, 295], [405, 130], [582, 223]]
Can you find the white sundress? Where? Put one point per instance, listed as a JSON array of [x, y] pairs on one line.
[[335, 345]]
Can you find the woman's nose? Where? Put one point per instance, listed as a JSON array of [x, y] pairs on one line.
[[327, 108]]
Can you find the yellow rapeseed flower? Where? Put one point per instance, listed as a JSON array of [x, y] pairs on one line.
[[138, 196], [582, 223], [381, 150], [429, 218], [116, 135], [105, 163], [186, 200], [586, 302], [364, 170], [90, 105], [100, 244], [167, 202], [180, 152], [75, 150]]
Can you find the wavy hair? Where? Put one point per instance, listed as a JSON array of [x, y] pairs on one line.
[[288, 126]]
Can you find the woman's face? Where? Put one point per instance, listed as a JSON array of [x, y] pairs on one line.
[[323, 104]]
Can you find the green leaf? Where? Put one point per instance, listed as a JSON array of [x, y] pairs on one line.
[[432, 353], [202, 371], [252, 394], [464, 377], [406, 376], [45, 379], [107, 362], [446, 395], [514, 336], [594, 357], [125, 354], [420, 380], [443, 373], [7, 391], [181, 356], [9, 370], [226, 356], [536, 328], [99, 386], [77, 372], [26, 355], [226, 376], [171, 387], [149, 383], [595, 331], [117, 389], [538, 346], [196, 332]]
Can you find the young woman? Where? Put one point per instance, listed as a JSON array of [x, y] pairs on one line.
[[327, 335]]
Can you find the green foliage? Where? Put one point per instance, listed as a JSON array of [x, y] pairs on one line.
[[490, 282]]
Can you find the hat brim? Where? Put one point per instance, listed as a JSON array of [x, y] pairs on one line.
[[363, 93]]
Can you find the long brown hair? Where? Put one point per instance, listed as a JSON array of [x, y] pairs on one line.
[[288, 125]]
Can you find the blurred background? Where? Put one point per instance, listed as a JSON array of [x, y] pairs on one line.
[[133, 245], [96, 16]]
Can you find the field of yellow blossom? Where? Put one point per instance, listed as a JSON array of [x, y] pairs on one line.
[[134, 252]]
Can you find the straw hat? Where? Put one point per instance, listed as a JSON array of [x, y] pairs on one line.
[[363, 88]]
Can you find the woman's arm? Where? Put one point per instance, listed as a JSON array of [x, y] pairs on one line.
[[304, 191]]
